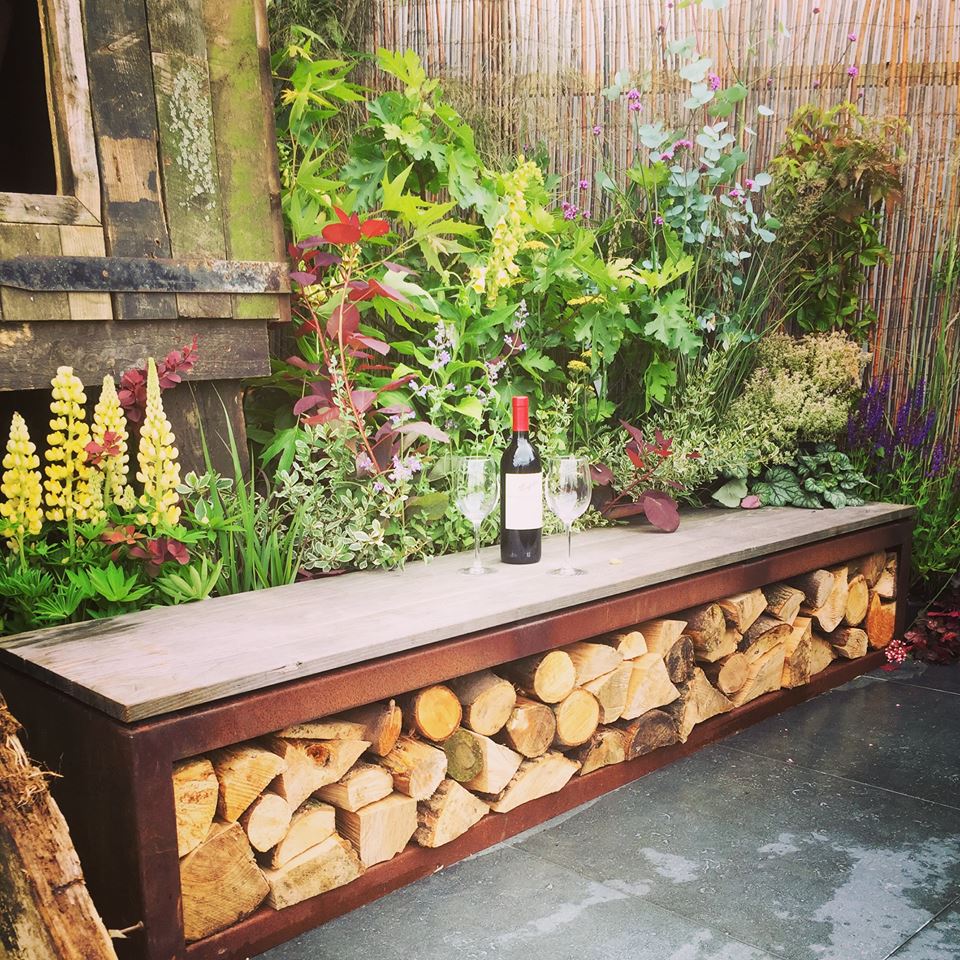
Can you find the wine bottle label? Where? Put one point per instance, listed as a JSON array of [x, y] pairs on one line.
[[523, 501]]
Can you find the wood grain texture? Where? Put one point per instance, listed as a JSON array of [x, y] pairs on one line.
[[84, 241], [150, 663], [38, 238], [40, 208]]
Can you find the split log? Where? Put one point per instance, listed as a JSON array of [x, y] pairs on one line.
[[611, 691], [607, 746], [45, 909], [417, 768], [488, 701], [765, 634], [870, 567], [535, 778], [363, 783], [328, 865], [629, 644], [699, 700], [678, 654], [660, 634], [578, 716], [881, 621], [830, 613], [220, 882], [243, 771], [592, 660], [464, 756], [547, 676], [849, 642], [266, 821], [797, 649], [311, 764], [706, 627], [379, 723], [858, 598], [433, 712], [195, 794], [783, 601], [648, 732], [500, 763], [450, 812], [380, 830], [816, 587], [742, 609], [530, 729], [763, 676], [821, 654], [729, 674], [310, 825], [649, 686], [886, 585]]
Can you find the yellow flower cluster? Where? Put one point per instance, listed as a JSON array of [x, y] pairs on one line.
[[580, 301], [108, 417], [68, 474], [509, 233], [20, 508], [157, 458]]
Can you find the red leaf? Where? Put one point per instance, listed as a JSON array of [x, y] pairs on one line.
[[341, 233], [661, 510], [634, 432], [374, 228], [308, 402], [349, 322], [352, 218], [362, 399], [621, 511], [751, 502], [304, 279], [635, 457], [331, 414], [601, 474], [382, 348], [302, 364]]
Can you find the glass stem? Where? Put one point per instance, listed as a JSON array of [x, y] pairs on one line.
[[569, 546], [477, 565]]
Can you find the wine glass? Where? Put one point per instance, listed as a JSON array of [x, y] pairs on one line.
[[476, 491], [568, 487]]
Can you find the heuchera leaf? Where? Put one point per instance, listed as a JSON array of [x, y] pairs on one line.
[[661, 510]]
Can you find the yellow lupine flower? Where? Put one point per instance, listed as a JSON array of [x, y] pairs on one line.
[[21, 487], [68, 474], [159, 471], [108, 417]]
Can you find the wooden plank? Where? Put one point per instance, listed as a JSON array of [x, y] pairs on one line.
[[246, 146], [42, 238], [86, 242], [125, 121], [31, 352], [187, 149], [148, 663], [40, 208]]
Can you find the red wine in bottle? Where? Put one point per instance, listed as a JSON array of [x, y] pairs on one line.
[[521, 492]]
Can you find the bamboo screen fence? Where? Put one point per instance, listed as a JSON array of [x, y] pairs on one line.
[[532, 71]]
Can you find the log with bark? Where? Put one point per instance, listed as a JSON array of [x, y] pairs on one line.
[[578, 716], [660, 634], [450, 812], [266, 821], [886, 585], [220, 882], [797, 650], [629, 643], [500, 763], [243, 771], [816, 586], [548, 677], [610, 689], [607, 746], [535, 778], [464, 755], [821, 654], [858, 598], [830, 613], [763, 676], [699, 700], [45, 909], [648, 732], [650, 686], [678, 654], [311, 764], [488, 701], [766, 633], [849, 642], [729, 674], [433, 713], [363, 783], [881, 621], [417, 768], [328, 865], [706, 627], [379, 723], [380, 830], [742, 609], [783, 601], [311, 824], [870, 567], [530, 729], [591, 660], [195, 794]]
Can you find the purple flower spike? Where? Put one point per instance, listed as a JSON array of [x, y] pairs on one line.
[[852, 71], [584, 184], [597, 129]]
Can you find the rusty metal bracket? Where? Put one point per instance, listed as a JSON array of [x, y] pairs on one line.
[[143, 275]]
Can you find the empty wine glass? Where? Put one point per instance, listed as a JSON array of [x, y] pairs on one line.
[[568, 487], [476, 491]]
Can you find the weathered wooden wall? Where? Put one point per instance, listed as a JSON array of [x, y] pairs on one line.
[[532, 70]]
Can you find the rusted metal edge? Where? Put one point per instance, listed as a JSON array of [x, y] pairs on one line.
[[143, 275]]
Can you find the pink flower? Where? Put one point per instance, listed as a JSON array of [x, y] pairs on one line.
[[852, 71], [658, 220], [633, 94], [584, 184], [852, 37], [714, 81], [636, 105], [597, 129], [816, 84], [748, 183], [736, 192]]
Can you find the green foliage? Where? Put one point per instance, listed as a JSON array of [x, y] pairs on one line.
[[822, 478]]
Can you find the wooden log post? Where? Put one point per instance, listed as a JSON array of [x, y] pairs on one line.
[[417, 768], [310, 825], [549, 677], [380, 830], [488, 701], [195, 794], [433, 713], [578, 716], [363, 783], [530, 729], [449, 813]]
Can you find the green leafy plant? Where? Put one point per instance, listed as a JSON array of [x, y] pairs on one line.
[[824, 477]]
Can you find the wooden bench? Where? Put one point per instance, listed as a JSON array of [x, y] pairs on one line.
[[114, 705]]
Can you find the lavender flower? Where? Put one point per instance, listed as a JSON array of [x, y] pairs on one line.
[[584, 184], [714, 81], [852, 71], [597, 129]]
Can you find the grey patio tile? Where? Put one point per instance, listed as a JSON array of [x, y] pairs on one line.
[[931, 675], [507, 905], [801, 864], [938, 940], [897, 736]]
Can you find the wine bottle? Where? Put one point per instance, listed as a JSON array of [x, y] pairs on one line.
[[521, 492]]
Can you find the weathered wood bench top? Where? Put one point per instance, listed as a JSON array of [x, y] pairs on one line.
[[157, 661]]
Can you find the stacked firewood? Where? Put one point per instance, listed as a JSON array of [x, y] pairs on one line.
[[311, 807]]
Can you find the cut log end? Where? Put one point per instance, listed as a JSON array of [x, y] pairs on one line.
[[450, 812], [433, 712], [578, 716]]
